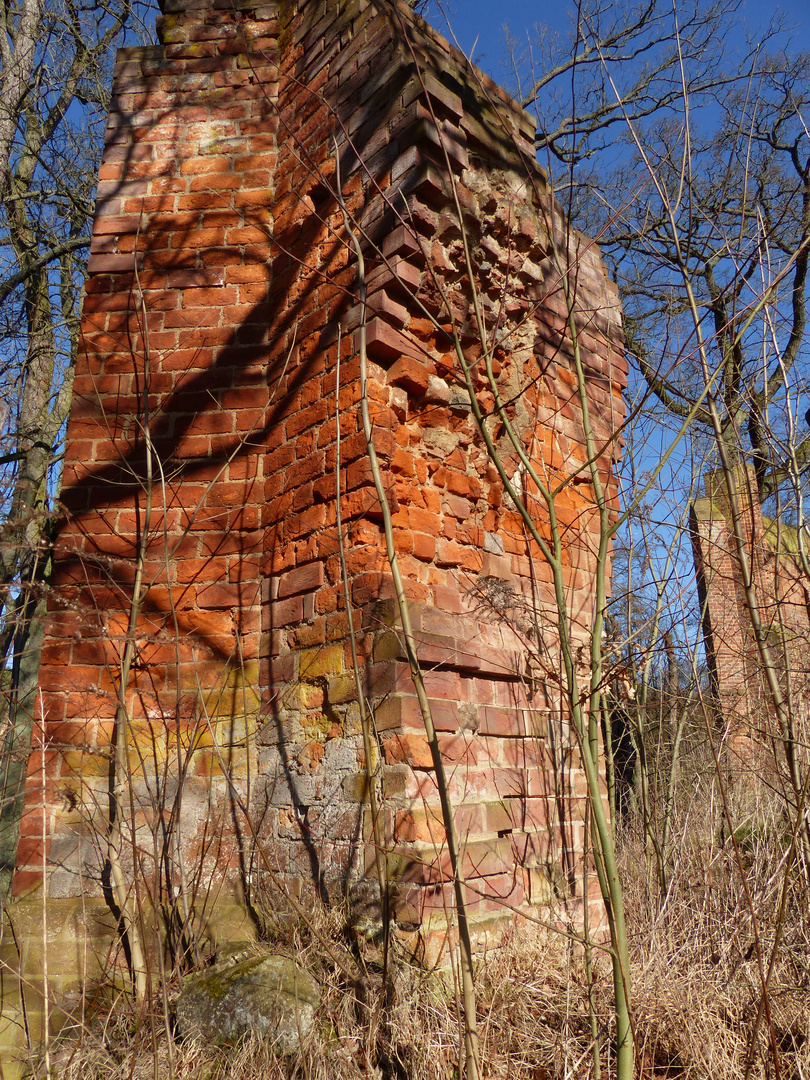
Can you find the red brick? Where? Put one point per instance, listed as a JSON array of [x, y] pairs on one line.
[[244, 337], [302, 579], [409, 749], [412, 375]]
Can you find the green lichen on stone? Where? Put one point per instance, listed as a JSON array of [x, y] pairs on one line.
[[268, 995]]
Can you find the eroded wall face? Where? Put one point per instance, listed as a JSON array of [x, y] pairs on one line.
[[216, 430]]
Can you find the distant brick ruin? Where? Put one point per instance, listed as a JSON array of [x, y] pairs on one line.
[[202, 473], [782, 594]]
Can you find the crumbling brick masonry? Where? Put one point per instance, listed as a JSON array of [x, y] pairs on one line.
[[216, 425]]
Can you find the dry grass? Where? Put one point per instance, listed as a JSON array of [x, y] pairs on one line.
[[695, 971], [735, 906]]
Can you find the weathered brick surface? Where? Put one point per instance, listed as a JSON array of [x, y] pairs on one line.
[[223, 318], [746, 705]]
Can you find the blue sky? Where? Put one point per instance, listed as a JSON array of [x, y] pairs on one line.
[[484, 20]]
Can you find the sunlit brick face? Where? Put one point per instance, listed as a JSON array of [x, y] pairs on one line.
[[215, 433]]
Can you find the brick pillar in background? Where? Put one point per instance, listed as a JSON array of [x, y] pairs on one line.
[[782, 593], [222, 289]]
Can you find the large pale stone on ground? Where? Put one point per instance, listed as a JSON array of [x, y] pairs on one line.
[[267, 995]]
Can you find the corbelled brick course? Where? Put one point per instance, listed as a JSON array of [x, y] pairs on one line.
[[208, 413]]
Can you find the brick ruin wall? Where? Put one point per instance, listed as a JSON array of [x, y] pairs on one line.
[[747, 717], [222, 290]]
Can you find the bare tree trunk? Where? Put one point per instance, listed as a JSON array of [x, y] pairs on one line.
[[53, 97]]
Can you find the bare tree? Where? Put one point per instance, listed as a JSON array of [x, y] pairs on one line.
[[55, 59], [640, 90], [693, 172], [650, 53]]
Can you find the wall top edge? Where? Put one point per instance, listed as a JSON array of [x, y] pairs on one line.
[[460, 66]]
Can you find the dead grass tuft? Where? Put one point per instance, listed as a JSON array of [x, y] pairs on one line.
[[695, 970]]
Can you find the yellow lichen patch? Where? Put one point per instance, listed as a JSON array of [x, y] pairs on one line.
[[315, 663]]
